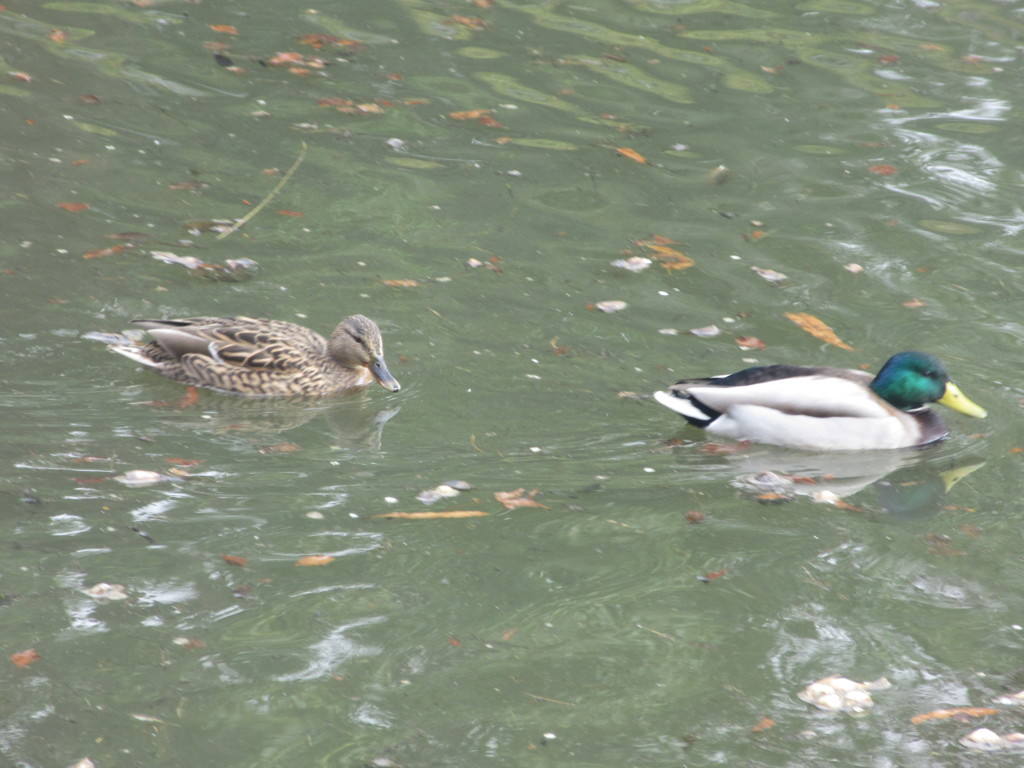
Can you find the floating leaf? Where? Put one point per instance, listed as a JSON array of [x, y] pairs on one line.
[[182, 462], [771, 275], [750, 342], [401, 283], [191, 643], [817, 329], [234, 560], [470, 114], [883, 170], [450, 515], [99, 253], [764, 725], [58, 35], [74, 207], [227, 29], [280, 448], [314, 560], [104, 591], [24, 658], [472, 22], [632, 154], [943, 714], [514, 499], [914, 303]]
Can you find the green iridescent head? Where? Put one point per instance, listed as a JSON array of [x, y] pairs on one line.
[[909, 380]]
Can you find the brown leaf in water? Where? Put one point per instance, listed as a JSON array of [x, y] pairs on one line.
[[470, 114], [883, 170], [914, 303], [401, 283], [473, 22], [750, 342], [74, 207], [58, 35], [24, 658], [817, 329], [234, 560], [284, 58], [958, 712], [227, 29], [318, 40], [514, 499], [182, 462], [99, 253], [281, 448], [632, 154], [764, 725], [450, 515], [314, 560]]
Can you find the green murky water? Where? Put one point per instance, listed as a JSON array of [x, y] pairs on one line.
[[607, 627]]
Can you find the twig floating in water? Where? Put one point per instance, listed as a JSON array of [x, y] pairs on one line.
[[270, 196]]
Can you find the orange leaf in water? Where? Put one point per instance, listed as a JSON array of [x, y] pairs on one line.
[[320, 40], [764, 725], [297, 214], [234, 560], [883, 170], [335, 101], [280, 448], [632, 154], [490, 122], [24, 658], [716, 574], [817, 329], [473, 22], [663, 252], [314, 560], [101, 252], [513, 499], [182, 462], [470, 114], [451, 515], [943, 714], [22, 76], [227, 29], [74, 207], [401, 283], [683, 262], [289, 57], [913, 303], [58, 35], [750, 342]]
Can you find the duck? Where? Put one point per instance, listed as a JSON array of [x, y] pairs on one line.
[[823, 408], [257, 357]]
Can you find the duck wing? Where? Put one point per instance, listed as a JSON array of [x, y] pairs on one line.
[[238, 341], [792, 390]]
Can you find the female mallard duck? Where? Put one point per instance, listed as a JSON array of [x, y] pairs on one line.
[[263, 358], [825, 408]]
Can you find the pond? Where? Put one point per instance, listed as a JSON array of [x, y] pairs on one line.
[[482, 178]]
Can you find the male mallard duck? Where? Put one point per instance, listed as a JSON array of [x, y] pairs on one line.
[[825, 408], [263, 358]]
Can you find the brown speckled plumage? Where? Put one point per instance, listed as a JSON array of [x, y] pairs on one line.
[[263, 358]]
